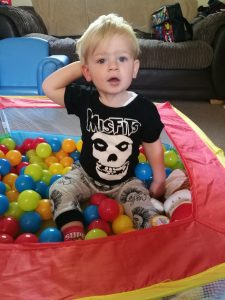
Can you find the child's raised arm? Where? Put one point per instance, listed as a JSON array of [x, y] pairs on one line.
[[55, 84]]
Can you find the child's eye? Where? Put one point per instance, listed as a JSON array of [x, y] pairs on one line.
[[122, 58], [101, 61]]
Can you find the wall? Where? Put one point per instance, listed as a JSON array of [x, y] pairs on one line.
[[29, 2]]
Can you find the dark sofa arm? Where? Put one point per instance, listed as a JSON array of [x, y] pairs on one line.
[[18, 21]]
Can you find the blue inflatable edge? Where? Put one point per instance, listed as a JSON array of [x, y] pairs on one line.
[[19, 136]]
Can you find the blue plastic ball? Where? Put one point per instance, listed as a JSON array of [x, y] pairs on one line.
[[90, 214], [24, 182], [5, 166], [2, 188], [168, 171], [75, 155], [50, 235], [30, 222], [4, 204], [42, 189], [55, 144], [143, 171], [54, 178]]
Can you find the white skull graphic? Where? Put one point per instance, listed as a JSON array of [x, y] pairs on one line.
[[111, 152]]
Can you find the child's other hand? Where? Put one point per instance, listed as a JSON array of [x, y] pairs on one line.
[[157, 189]]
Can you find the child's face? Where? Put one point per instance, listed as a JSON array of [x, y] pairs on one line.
[[112, 66]]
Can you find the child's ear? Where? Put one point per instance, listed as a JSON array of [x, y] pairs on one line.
[[86, 72], [136, 67]]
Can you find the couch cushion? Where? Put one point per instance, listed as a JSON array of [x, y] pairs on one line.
[[185, 55], [206, 29]]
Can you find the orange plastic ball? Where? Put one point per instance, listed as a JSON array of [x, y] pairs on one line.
[[2, 154], [10, 179], [12, 195], [14, 157], [67, 161], [51, 159], [69, 145], [60, 154], [44, 209]]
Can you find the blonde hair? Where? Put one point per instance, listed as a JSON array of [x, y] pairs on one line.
[[102, 27]]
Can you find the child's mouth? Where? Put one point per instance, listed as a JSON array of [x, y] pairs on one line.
[[114, 80]]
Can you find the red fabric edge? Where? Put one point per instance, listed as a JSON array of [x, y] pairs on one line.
[[133, 260]]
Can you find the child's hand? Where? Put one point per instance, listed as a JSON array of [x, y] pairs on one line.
[[157, 189]]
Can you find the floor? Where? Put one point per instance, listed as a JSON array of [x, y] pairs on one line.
[[209, 117]]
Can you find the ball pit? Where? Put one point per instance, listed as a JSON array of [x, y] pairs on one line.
[[30, 168]]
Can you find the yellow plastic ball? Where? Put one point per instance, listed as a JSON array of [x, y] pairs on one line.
[[79, 145], [121, 224], [56, 168]]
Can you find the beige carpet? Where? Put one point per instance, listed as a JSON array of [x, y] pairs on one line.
[[210, 118]]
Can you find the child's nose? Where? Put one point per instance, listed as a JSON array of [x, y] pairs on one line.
[[113, 64]]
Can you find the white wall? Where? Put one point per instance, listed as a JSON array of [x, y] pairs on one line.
[[21, 2]]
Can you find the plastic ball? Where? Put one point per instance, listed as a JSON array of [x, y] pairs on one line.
[[27, 144], [37, 141], [35, 159], [2, 188], [108, 209], [68, 145], [10, 179], [79, 145], [4, 204], [66, 170], [55, 144], [141, 149], [60, 154], [14, 157], [6, 238], [50, 235], [9, 225], [30, 222], [46, 176], [21, 165], [66, 161], [9, 143], [30, 153], [75, 155], [14, 211], [54, 178], [95, 234], [100, 224], [170, 158], [2, 154], [142, 158], [97, 198], [12, 195], [35, 171], [42, 189], [43, 150], [50, 160], [24, 182], [28, 200], [45, 209], [4, 166], [4, 149], [90, 213], [121, 224], [143, 171], [26, 238], [168, 171], [56, 168]]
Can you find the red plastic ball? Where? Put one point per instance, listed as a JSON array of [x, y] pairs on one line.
[[27, 144], [97, 198], [109, 209], [9, 226], [6, 238], [100, 224], [26, 238]]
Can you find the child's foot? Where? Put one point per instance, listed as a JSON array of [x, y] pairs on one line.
[[73, 233]]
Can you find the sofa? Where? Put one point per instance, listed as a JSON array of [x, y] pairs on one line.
[[190, 70]]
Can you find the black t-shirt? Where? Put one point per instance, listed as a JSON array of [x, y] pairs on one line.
[[111, 135]]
